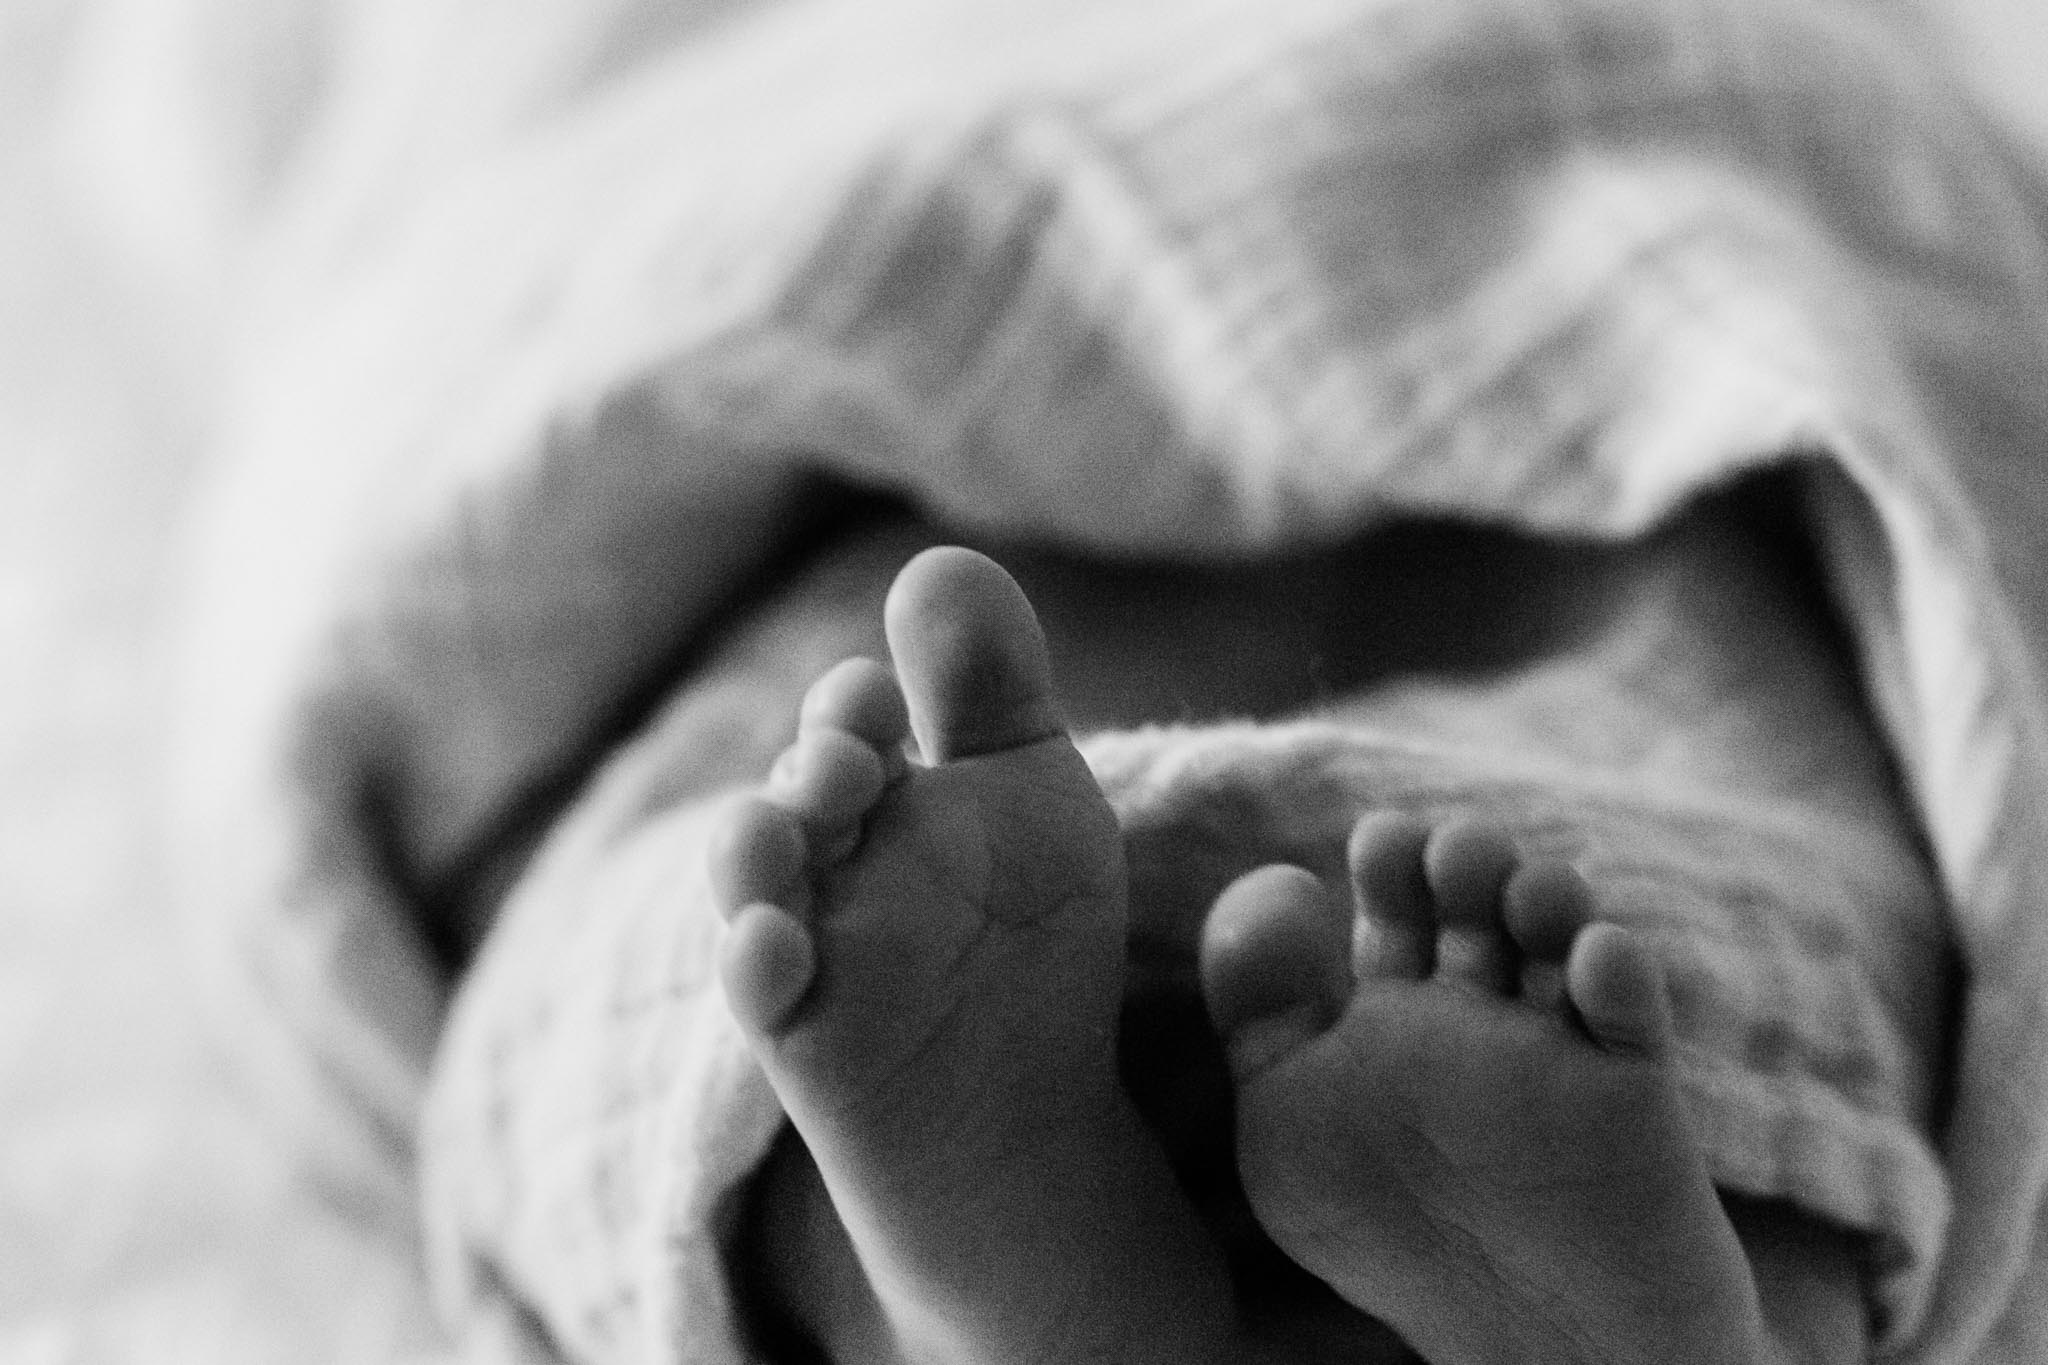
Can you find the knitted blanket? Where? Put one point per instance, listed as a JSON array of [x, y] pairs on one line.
[[557, 342], [595, 1117]]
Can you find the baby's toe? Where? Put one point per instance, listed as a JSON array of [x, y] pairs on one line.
[[861, 698], [829, 780], [1468, 864], [1395, 936], [1617, 990], [1546, 903], [971, 656], [1274, 970], [759, 878], [767, 962], [759, 853]]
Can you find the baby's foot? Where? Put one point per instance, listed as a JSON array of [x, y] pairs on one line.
[[1480, 1142], [929, 962]]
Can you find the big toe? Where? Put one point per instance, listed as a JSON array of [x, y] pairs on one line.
[[1274, 965], [970, 655]]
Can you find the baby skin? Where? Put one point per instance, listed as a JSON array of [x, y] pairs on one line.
[[1454, 1102]]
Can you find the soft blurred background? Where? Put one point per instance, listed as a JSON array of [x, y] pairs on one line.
[[142, 1215]]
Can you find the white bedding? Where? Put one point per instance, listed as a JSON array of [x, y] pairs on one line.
[[143, 1215]]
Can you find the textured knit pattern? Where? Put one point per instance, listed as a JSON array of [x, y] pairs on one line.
[[596, 1114], [553, 338]]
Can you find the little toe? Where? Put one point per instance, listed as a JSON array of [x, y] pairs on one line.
[[1395, 934], [759, 854], [767, 963], [861, 698], [1468, 864], [1273, 960], [971, 656], [1545, 904], [1618, 991]]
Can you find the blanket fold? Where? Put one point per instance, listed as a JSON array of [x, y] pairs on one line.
[[596, 1115], [1184, 280]]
